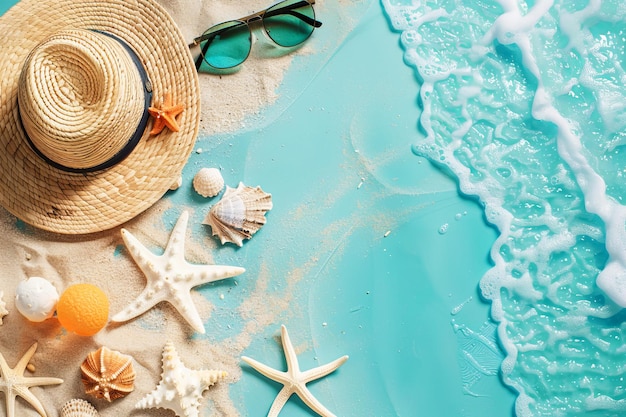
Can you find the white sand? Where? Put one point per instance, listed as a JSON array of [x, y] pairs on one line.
[[63, 260]]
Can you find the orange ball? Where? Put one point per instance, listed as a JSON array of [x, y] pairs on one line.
[[83, 309]]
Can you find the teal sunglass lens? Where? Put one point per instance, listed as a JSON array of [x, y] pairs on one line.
[[227, 44], [290, 22]]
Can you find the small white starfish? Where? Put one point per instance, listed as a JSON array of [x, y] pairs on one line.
[[293, 379], [170, 277], [181, 388], [14, 383]]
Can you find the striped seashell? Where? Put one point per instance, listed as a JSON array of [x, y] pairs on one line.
[[239, 214], [208, 182], [78, 408], [108, 374]]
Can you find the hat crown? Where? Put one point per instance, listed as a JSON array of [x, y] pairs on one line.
[[81, 98]]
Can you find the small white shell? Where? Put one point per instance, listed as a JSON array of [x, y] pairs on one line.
[[239, 214], [176, 184], [3, 305], [208, 182], [78, 408], [36, 298]]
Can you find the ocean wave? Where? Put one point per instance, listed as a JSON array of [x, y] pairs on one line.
[[525, 102]]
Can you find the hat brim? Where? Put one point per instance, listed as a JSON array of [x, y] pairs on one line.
[[72, 203]]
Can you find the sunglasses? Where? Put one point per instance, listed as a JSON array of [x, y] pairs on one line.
[[226, 45]]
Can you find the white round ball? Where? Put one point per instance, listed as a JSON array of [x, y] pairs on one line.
[[36, 299], [208, 182]]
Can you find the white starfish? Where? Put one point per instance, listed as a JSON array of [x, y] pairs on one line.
[[14, 383], [293, 379], [170, 277], [180, 388]]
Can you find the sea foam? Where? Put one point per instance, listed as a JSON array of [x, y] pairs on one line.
[[525, 102]]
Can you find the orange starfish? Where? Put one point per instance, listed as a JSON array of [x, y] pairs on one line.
[[165, 116]]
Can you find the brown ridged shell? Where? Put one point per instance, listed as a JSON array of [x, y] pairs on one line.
[[78, 408], [108, 374], [239, 214]]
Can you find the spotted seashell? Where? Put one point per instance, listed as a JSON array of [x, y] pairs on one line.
[[108, 374], [78, 408], [208, 182], [239, 214]]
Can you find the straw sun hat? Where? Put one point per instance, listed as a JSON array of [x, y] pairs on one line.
[[76, 79]]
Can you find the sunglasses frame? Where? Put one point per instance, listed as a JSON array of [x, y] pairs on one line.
[[254, 17]]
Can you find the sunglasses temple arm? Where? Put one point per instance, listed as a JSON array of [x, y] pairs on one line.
[[208, 36], [274, 11], [306, 19], [289, 10], [203, 52], [198, 62]]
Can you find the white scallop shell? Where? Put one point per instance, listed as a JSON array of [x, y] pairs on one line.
[[78, 408], [208, 182], [239, 214]]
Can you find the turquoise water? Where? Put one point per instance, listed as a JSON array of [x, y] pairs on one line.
[[524, 102]]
